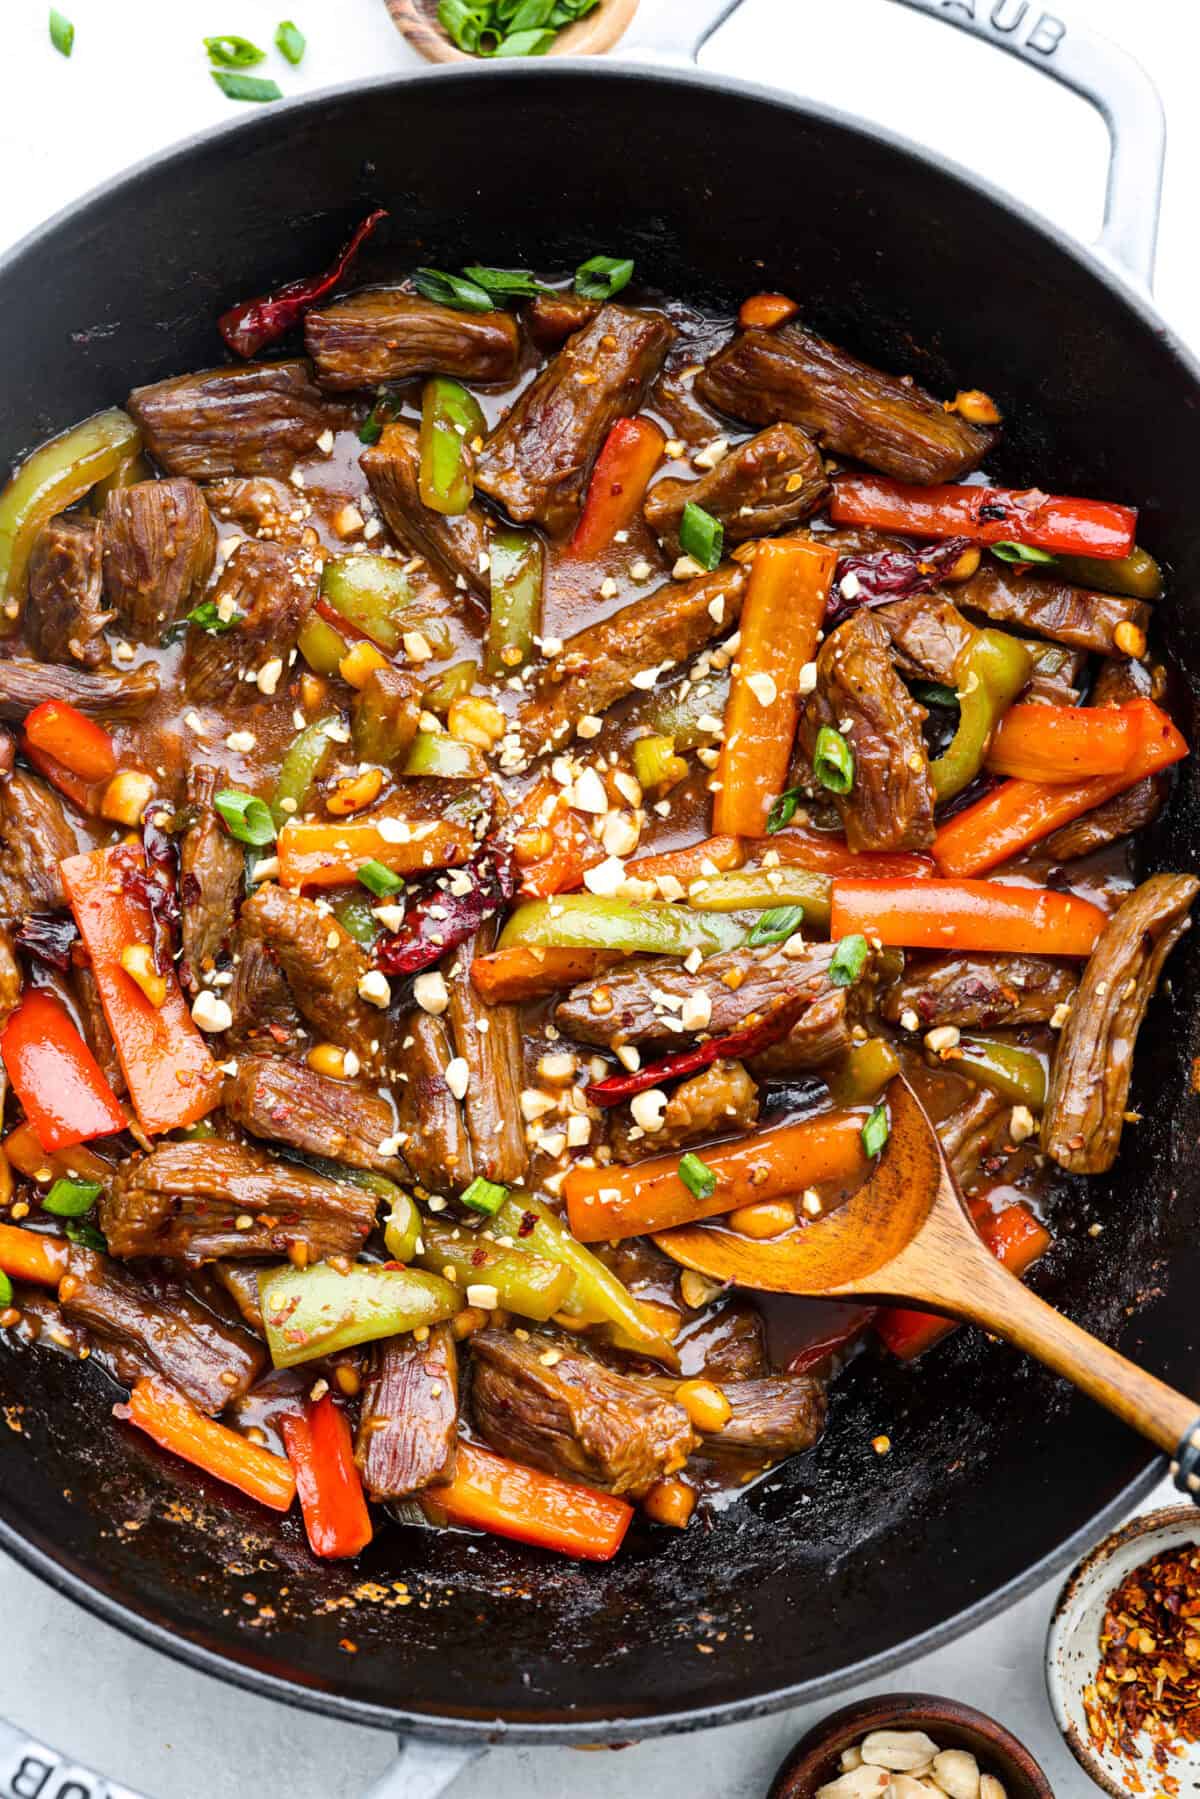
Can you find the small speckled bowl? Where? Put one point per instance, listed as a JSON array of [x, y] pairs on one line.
[[1073, 1646], [815, 1758]]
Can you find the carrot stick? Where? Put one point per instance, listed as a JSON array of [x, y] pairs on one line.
[[687, 865], [321, 1451], [531, 971], [632, 451], [606, 1203], [781, 621], [319, 855], [27, 1156], [491, 1493], [30, 1256], [986, 515], [1014, 1237], [824, 853], [553, 845], [966, 915], [175, 1424], [82, 746], [1060, 744]]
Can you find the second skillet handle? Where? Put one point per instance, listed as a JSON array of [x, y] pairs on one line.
[[1113, 81]]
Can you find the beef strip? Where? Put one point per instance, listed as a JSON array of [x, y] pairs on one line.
[[889, 423], [66, 615], [771, 1418], [165, 1329], [35, 836], [489, 1039], [287, 1102], [928, 633], [184, 1200], [537, 461], [10, 980], [271, 591], [858, 693], [261, 505], [974, 990], [239, 1280], [455, 543], [576, 1418], [1119, 680], [160, 545], [94, 1024], [258, 418], [211, 870], [265, 1016], [725, 1342], [763, 485], [1121, 816], [1047, 607], [673, 397], [382, 335], [1089, 1080], [433, 1137], [973, 1132], [408, 1418], [323, 966], [597, 665], [25, 684], [552, 318], [721, 1099], [820, 1037]]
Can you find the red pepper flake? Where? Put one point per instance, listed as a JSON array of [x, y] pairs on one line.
[[251, 326], [1147, 1688]]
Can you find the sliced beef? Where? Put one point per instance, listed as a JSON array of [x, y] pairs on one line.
[[25, 684], [597, 665], [859, 694], [265, 1016], [239, 1281], [489, 1039], [1119, 817], [160, 545], [433, 1137], [94, 1025], [1058, 673], [163, 1328], [573, 1416], [890, 424], [382, 335], [764, 485], [1047, 607], [186, 1199], [323, 966], [820, 1037], [258, 418], [408, 1419], [1119, 680], [1089, 1081], [720, 1099], [66, 614], [772, 1418], [35, 836], [10, 978], [974, 990], [725, 1342], [928, 634], [673, 397], [455, 543], [553, 318], [261, 505], [973, 1133], [287, 1102], [537, 461], [271, 591], [211, 869]]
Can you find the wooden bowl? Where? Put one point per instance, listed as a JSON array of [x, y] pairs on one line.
[[599, 31], [815, 1758]]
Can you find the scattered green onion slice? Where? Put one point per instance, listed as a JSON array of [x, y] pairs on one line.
[[603, 276], [1020, 552], [71, 1199], [230, 52], [505, 284], [849, 960], [525, 43], [290, 41], [62, 33], [463, 24], [697, 1176], [451, 290], [246, 818], [833, 760], [701, 536], [875, 1131], [379, 880], [484, 1196], [6, 1291], [209, 619], [84, 1232], [932, 693], [245, 87], [784, 810], [775, 926]]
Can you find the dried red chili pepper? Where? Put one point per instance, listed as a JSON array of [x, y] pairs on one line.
[[441, 920], [251, 326], [891, 575]]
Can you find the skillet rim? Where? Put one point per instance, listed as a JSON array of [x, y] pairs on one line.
[[239, 1669]]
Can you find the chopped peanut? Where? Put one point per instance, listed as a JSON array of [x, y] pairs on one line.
[[1130, 639], [327, 1058], [137, 959], [353, 792], [474, 719], [978, 408], [769, 1218], [127, 796], [670, 1502], [705, 1405]]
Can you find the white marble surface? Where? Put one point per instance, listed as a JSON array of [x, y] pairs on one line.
[[138, 81]]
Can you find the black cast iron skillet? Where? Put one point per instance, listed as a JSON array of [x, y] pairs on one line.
[[843, 1562]]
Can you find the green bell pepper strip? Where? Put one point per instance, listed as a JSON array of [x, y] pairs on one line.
[[451, 421], [301, 767], [371, 593], [434, 753], [762, 889], [1136, 575], [321, 646], [517, 564], [863, 1073], [675, 714], [51, 479], [990, 672], [582, 921], [403, 1227], [356, 918], [316, 1311], [596, 1296], [1018, 1075], [452, 684], [525, 1283], [130, 470]]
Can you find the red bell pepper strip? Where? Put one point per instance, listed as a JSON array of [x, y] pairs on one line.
[[175, 1424], [84, 794], [1014, 1237], [81, 745], [31, 1256], [491, 1493], [172, 1079], [1060, 744], [252, 325], [632, 451], [986, 515], [321, 1451], [966, 915], [1014, 816], [55, 1075], [823, 853]]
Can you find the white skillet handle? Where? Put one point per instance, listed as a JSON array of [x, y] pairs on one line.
[[1105, 75]]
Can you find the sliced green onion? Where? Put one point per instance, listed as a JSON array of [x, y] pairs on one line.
[[849, 960], [71, 1199], [233, 52], [462, 23], [775, 926], [875, 1131], [290, 41], [701, 536], [206, 616], [379, 880], [62, 36], [525, 43], [246, 818], [245, 87], [603, 276], [697, 1176], [83, 1232], [6, 1290], [505, 284], [932, 693], [833, 760], [386, 408], [1020, 552], [784, 810], [531, 15], [484, 1196], [451, 290]]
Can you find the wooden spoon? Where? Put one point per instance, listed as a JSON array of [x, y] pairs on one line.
[[906, 1236]]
